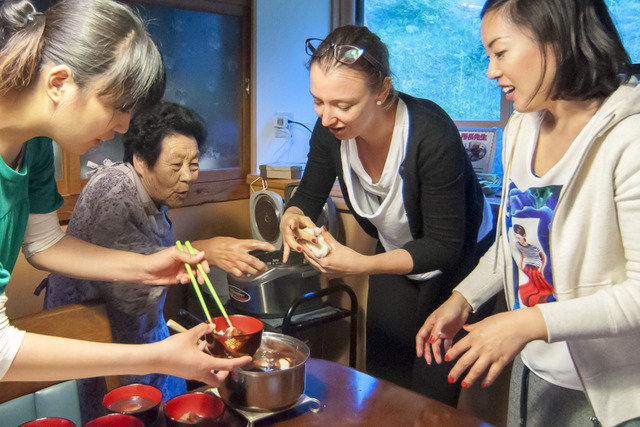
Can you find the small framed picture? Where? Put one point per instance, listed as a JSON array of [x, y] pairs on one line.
[[480, 144]]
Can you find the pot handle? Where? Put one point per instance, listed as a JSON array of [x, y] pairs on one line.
[[314, 404]]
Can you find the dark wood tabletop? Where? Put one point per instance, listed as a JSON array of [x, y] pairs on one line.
[[352, 398]]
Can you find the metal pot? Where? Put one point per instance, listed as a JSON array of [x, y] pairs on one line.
[[267, 391]]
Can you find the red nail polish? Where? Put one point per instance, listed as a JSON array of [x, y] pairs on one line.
[[432, 340], [484, 385], [451, 379], [465, 326], [324, 228], [299, 248], [464, 385], [314, 240], [447, 358]]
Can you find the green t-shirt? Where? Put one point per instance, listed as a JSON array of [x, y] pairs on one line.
[[30, 189]]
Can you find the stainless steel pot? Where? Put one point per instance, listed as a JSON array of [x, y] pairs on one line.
[[267, 391]]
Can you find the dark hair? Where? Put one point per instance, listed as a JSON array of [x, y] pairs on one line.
[[149, 128], [103, 42], [589, 54], [361, 37], [518, 229]]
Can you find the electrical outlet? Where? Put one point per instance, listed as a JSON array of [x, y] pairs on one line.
[[281, 124]]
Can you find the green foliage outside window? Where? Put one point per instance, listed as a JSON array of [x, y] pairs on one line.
[[436, 52]]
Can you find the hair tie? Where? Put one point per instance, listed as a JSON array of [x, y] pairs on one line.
[[32, 16]]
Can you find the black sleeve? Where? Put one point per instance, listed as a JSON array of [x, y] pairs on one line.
[[440, 196]]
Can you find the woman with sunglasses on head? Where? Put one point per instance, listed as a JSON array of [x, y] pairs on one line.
[[572, 181], [55, 84], [407, 180]]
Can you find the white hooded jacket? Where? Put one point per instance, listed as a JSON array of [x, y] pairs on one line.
[[595, 253]]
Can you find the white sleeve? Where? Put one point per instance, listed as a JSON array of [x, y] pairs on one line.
[[10, 339], [43, 231]]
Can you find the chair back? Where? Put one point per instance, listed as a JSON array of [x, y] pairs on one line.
[[87, 321]]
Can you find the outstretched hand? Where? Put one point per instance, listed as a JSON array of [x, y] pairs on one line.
[[181, 355], [232, 255], [441, 327]]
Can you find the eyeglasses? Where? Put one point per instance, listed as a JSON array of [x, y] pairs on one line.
[[343, 53]]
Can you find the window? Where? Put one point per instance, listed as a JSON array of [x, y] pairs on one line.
[[626, 15], [436, 53], [205, 47], [441, 38]]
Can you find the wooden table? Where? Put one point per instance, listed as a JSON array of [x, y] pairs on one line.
[[351, 398]]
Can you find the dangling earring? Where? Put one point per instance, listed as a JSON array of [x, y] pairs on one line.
[[378, 103]]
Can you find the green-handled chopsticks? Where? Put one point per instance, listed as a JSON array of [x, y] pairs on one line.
[[196, 287], [207, 281]]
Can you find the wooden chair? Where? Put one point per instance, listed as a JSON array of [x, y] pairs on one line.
[[86, 321]]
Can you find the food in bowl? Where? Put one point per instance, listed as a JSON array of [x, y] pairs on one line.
[[242, 338], [274, 355], [191, 418], [139, 400], [201, 409], [132, 404]]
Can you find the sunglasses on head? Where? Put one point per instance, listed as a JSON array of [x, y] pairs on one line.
[[343, 53]]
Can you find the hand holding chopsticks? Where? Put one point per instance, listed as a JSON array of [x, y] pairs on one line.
[[210, 286], [207, 281], [196, 287]]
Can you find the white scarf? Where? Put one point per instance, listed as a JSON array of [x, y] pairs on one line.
[[382, 203]]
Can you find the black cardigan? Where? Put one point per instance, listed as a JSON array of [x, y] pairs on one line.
[[442, 196]]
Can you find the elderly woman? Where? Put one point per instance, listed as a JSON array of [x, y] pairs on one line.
[[124, 206]]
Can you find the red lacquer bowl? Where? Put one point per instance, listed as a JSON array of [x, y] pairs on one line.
[[140, 400], [199, 409], [245, 344], [49, 422], [115, 420]]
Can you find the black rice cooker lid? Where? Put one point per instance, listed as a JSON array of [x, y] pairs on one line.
[[274, 259], [296, 265]]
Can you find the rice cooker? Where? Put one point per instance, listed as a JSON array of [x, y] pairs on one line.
[[270, 294]]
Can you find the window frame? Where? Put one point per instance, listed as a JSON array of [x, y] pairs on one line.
[[352, 11], [218, 185]]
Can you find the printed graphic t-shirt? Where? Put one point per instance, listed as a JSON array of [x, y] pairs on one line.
[[531, 202]]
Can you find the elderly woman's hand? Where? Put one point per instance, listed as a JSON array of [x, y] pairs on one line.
[[181, 355], [292, 227], [232, 255]]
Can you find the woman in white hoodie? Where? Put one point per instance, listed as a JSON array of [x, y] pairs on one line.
[[572, 180]]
